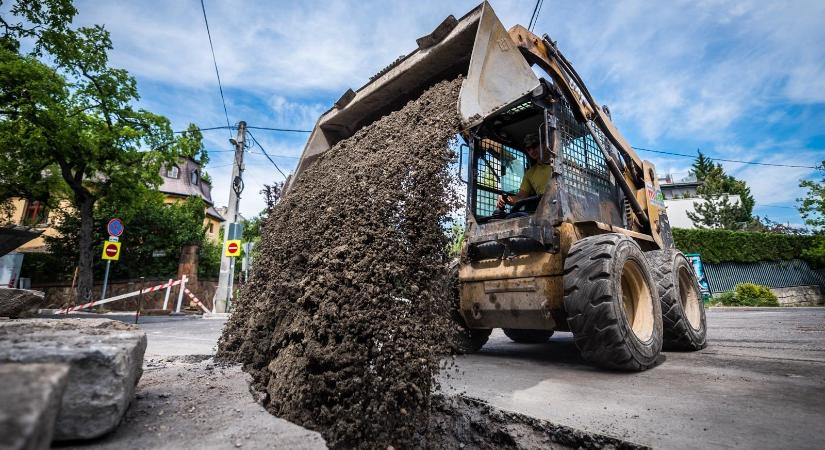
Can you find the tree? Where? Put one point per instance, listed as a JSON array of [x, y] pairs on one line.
[[155, 233], [716, 210], [812, 210], [73, 118]]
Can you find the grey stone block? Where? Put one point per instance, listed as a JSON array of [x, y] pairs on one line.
[[29, 402], [105, 359], [19, 303]]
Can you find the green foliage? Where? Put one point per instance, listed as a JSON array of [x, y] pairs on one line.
[[455, 235], [748, 294], [209, 256], [67, 114], [152, 228], [717, 246], [717, 211], [812, 210]]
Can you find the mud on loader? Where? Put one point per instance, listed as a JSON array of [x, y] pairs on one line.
[[593, 254]]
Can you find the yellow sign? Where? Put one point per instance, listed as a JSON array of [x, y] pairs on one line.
[[233, 248], [111, 250]]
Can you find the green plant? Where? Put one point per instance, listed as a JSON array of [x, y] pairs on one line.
[[718, 246], [748, 294]]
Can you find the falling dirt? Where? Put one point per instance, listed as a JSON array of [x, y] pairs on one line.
[[344, 320]]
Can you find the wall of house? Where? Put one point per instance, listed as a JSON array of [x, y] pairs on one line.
[[38, 244], [677, 210]]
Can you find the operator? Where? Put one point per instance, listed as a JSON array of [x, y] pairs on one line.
[[535, 179]]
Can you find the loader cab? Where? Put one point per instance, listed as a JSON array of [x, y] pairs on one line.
[[500, 162]]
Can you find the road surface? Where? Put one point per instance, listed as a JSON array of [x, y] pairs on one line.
[[760, 383]]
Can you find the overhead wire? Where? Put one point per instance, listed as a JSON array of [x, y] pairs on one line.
[[291, 130], [535, 17], [756, 163], [215, 61], [266, 154]]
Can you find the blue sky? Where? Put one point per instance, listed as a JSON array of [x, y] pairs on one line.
[[737, 79]]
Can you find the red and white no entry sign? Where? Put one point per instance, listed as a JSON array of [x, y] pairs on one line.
[[111, 251], [233, 248]]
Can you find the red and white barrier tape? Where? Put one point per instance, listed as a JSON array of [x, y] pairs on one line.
[[195, 300], [121, 296]]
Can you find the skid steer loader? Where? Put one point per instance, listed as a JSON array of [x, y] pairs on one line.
[[592, 253]]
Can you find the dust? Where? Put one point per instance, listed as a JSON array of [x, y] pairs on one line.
[[344, 320]]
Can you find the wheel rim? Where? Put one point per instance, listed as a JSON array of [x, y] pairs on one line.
[[637, 301], [689, 297]]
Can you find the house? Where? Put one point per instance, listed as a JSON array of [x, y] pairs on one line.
[[684, 188], [35, 215], [180, 181], [184, 180], [680, 197]]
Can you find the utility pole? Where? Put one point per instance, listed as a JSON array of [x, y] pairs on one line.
[[223, 294]]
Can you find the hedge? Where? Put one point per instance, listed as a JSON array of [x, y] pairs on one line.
[[718, 246]]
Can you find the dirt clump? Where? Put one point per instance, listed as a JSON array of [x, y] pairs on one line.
[[343, 322]]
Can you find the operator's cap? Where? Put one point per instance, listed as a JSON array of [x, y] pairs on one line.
[[531, 140]]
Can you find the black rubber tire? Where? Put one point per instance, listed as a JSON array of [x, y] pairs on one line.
[[463, 340], [679, 333], [593, 300], [528, 336], [468, 340]]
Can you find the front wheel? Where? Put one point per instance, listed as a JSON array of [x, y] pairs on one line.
[[611, 302]]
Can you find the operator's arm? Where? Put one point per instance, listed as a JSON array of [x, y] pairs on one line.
[[524, 191]]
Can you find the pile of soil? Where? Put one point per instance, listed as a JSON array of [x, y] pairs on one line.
[[346, 314]]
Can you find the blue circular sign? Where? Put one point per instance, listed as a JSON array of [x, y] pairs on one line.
[[115, 227]]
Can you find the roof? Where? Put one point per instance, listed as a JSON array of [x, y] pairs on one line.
[[182, 185]]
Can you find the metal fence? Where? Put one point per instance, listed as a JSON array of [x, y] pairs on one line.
[[724, 277]]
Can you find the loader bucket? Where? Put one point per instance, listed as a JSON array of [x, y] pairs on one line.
[[476, 46]]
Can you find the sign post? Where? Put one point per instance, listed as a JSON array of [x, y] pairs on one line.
[[111, 250]]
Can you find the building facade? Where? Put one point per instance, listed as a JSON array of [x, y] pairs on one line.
[[184, 180]]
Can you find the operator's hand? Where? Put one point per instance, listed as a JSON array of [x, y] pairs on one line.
[[502, 200]]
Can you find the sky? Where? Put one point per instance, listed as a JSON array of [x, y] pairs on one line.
[[737, 79]]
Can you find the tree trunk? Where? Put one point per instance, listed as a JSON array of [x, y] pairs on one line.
[[85, 283]]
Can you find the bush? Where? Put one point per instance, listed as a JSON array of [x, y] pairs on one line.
[[748, 294], [718, 246]]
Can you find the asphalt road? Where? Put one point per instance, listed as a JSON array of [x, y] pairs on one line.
[[760, 383]]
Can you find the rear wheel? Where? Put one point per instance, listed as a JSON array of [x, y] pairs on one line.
[[611, 303], [683, 310], [462, 339], [528, 336]]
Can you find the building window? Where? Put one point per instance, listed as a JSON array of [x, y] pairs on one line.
[[194, 177], [34, 213], [173, 171], [211, 228]]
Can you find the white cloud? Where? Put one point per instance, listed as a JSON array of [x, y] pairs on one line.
[[669, 70]]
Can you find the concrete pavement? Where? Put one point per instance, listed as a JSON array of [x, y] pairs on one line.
[[759, 384]]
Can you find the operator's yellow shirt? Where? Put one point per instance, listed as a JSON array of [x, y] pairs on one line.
[[535, 179]]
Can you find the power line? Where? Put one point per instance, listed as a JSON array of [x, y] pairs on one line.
[[275, 155], [291, 130], [215, 61], [728, 160], [535, 17], [222, 127], [266, 154]]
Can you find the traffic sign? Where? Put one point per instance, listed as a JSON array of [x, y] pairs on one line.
[[233, 248], [115, 227], [111, 251]]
